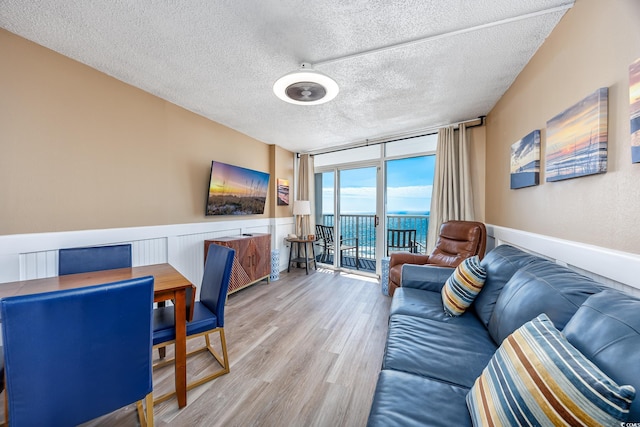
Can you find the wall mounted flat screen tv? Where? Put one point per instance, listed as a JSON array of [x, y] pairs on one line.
[[234, 190]]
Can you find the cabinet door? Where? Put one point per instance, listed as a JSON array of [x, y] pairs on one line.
[[251, 262], [263, 260], [246, 256]]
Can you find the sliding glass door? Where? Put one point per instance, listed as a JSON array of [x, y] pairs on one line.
[[358, 218], [364, 192], [349, 238]]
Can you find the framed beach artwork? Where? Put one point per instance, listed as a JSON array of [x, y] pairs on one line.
[[283, 192], [634, 103], [525, 161], [577, 139]]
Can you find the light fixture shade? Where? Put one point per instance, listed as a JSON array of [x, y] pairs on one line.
[[301, 207], [306, 87]]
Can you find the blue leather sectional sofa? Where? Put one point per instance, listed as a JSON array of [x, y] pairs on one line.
[[432, 360]]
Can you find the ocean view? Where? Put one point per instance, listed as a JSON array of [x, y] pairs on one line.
[[362, 226]]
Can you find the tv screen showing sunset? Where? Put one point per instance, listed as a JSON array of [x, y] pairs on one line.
[[234, 190]]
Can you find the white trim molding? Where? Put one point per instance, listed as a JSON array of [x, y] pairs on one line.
[[611, 267], [34, 256]]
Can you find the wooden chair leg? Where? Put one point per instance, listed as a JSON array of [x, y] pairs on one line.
[[162, 351], [6, 408], [223, 343], [149, 404], [145, 414], [222, 360]]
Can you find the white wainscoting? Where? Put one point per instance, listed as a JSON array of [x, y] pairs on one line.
[[617, 269], [34, 256], [36, 265]]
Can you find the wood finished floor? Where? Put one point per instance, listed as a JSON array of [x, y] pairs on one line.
[[304, 351]]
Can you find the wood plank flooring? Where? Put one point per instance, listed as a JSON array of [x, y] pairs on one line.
[[304, 351]]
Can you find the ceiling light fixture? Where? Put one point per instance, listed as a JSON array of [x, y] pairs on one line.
[[306, 87], [309, 87]]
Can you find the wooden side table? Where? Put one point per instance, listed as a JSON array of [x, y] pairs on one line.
[[299, 259]]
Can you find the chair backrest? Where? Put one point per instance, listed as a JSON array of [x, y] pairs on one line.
[[215, 281], [319, 232], [77, 354], [84, 260], [401, 240], [328, 234], [459, 240]]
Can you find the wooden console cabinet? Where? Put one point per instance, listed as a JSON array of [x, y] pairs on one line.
[[252, 261]]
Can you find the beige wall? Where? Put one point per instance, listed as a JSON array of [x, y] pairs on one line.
[[81, 150], [591, 47], [282, 164]]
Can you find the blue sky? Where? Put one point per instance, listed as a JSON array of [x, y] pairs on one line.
[[409, 187]]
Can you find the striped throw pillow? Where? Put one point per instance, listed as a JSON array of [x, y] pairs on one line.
[[462, 286], [537, 377]]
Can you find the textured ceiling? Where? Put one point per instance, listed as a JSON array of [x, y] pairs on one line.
[[220, 58]]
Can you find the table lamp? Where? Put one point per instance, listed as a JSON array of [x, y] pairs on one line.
[[301, 208]]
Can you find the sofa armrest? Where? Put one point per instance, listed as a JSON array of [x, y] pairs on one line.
[[407, 258], [425, 277]]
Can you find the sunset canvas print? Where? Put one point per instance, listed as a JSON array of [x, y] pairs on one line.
[[234, 190], [577, 139], [525, 161], [283, 192], [634, 102]]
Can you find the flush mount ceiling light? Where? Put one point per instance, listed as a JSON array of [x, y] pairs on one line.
[[305, 87], [309, 87]]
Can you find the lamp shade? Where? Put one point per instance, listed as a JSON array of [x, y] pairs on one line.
[[301, 207]]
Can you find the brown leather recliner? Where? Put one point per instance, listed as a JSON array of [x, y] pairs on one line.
[[458, 240]]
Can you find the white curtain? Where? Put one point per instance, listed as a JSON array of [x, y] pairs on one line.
[[451, 198], [305, 189]]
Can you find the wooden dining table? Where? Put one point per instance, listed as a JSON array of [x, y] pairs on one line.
[[169, 284]]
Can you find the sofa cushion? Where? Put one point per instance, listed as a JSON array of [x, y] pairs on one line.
[[428, 305], [539, 287], [538, 378], [403, 399], [425, 277], [438, 350], [606, 329], [500, 264], [462, 286]]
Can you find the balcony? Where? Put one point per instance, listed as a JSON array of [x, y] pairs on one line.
[[363, 227]]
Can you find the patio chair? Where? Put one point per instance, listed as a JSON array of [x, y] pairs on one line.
[[402, 240], [350, 244]]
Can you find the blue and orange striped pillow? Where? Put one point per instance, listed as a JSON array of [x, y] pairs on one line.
[[537, 377], [462, 286]]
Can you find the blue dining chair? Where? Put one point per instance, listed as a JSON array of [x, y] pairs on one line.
[[98, 357], [84, 260], [3, 423], [208, 315], [97, 258]]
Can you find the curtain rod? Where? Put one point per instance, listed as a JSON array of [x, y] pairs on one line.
[[378, 141]]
